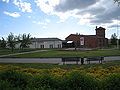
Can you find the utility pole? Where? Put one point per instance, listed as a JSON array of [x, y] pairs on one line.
[[117, 33]]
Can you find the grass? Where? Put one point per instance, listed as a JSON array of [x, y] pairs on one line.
[[5, 51], [8, 51], [63, 53]]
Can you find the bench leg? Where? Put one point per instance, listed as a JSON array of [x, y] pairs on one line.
[[82, 61], [63, 63], [89, 62], [101, 61], [77, 62]]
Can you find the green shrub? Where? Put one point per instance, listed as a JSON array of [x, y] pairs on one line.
[[16, 79], [44, 82], [78, 81], [4, 85], [112, 82]]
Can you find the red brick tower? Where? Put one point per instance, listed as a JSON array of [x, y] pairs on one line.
[[100, 32]]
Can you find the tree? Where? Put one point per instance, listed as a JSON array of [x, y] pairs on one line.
[[114, 39], [3, 43], [11, 41], [24, 40]]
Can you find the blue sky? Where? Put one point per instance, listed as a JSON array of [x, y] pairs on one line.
[[58, 18]]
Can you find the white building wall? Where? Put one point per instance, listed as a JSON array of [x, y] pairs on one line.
[[41, 43], [58, 43], [33, 45], [46, 44]]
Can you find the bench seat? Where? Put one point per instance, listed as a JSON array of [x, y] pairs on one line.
[[100, 59], [70, 59]]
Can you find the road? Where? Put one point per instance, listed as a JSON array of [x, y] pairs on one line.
[[49, 60]]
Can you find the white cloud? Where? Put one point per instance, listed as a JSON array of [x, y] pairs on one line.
[[48, 7], [40, 23], [14, 14], [23, 6], [29, 17], [44, 27], [85, 19], [7, 1], [94, 12], [47, 20], [43, 24], [45, 7]]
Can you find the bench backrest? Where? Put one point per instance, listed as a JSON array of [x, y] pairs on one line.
[[70, 59], [95, 58]]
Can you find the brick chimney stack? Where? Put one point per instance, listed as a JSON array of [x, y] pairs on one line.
[[100, 32], [96, 27]]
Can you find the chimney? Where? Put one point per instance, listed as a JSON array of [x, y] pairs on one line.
[[100, 32], [96, 27]]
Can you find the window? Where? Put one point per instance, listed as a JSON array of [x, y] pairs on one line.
[[41, 46], [59, 45], [51, 46]]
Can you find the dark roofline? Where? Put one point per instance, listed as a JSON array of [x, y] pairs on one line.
[[81, 35], [46, 39], [100, 28]]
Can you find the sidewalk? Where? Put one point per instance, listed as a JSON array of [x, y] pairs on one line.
[[22, 53], [51, 60]]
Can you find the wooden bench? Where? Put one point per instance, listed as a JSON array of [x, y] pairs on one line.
[[100, 59], [70, 59]]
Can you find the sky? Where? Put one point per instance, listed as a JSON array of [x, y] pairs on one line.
[[58, 18]]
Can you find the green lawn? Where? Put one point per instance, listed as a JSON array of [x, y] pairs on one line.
[[5, 51], [8, 51], [63, 53]]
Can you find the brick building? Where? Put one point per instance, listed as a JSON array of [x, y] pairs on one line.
[[89, 41]]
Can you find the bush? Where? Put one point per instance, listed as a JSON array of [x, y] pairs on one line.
[[112, 82], [4, 85], [78, 81], [16, 79], [44, 82], [74, 80]]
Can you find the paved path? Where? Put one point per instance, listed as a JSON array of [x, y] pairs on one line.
[[22, 53], [48, 60], [107, 59], [30, 60]]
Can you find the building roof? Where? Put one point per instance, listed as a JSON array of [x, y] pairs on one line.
[[45, 39], [100, 28], [75, 35], [90, 36]]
